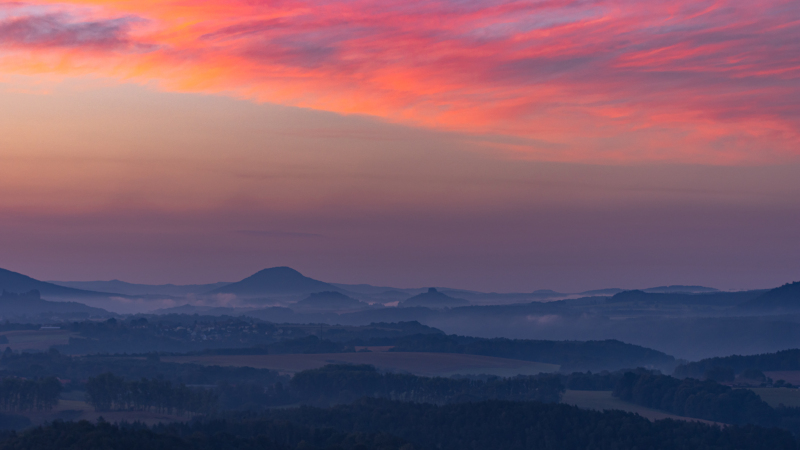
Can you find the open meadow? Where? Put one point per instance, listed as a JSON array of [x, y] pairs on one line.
[[789, 376], [417, 363], [71, 406], [41, 340], [779, 396]]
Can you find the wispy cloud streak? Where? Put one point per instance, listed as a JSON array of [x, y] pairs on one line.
[[592, 80], [54, 30]]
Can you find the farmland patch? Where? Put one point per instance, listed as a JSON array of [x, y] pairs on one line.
[[417, 363], [603, 400]]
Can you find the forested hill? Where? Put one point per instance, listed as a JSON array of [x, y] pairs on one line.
[[570, 355], [684, 298], [784, 360], [703, 400], [784, 298], [228, 335]]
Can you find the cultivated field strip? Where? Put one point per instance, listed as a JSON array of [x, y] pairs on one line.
[[417, 363]]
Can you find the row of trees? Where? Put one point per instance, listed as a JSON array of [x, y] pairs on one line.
[[345, 383], [18, 394], [783, 360], [108, 392], [588, 381]]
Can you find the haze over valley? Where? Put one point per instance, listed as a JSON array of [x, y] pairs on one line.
[[687, 322]]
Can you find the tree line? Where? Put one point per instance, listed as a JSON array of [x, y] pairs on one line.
[[19, 395], [272, 435], [334, 384], [783, 360], [107, 392]]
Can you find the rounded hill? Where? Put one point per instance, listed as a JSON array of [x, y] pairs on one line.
[[276, 280]]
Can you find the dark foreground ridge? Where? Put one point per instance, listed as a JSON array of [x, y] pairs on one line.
[[388, 425]]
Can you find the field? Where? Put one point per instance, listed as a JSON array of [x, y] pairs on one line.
[[35, 339], [72, 407], [777, 396], [602, 400], [418, 363], [790, 376]]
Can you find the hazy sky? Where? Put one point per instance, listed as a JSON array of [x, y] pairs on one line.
[[494, 145]]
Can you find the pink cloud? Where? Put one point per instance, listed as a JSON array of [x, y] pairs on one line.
[[599, 81], [57, 30]]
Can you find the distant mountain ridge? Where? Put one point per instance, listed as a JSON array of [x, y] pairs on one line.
[[786, 297], [19, 283], [679, 289], [123, 287], [275, 281]]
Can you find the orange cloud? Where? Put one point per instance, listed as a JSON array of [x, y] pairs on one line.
[[598, 81]]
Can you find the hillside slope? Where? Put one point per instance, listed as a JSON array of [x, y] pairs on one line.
[[786, 297], [19, 283]]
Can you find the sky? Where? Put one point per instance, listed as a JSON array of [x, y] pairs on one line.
[[494, 145]]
